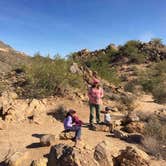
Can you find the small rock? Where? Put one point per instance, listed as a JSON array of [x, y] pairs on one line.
[[66, 135], [132, 117], [117, 123], [102, 127], [40, 162], [120, 134], [134, 127], [47, 140]]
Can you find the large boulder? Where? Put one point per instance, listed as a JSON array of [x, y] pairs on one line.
[[131, 157], [129, 137], [134, 127], [40, 162], [47, 140], [103, 154], [17, 159], [64, 155]]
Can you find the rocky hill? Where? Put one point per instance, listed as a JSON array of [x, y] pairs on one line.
[[10, 58], [34, 101], [152, 51]]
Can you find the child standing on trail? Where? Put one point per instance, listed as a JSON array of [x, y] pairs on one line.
[[70, 125], [107, 116]]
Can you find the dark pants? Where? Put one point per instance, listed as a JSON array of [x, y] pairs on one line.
[[77, 130], [95, 107]]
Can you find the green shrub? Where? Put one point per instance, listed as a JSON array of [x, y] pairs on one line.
[[159, 93], [156, 128], [46, 75], [157, 41], [130, 50], [155, 136], [153, 81]]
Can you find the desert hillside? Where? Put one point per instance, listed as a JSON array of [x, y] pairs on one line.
[[36, 93], [9, 58]]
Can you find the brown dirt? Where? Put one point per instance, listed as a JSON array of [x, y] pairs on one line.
[[24, 136]]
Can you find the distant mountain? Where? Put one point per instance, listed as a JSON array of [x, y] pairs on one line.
[[10, 58]]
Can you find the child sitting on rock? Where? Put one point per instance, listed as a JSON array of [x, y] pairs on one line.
[[71, 125]]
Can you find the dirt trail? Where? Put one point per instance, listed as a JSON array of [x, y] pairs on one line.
[[25, 136], [146, 104]]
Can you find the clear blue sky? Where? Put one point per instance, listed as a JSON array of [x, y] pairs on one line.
[[65, 26]]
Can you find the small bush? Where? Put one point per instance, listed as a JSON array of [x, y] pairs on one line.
[[151, 145], [159, 93], [156, 129], [59, 113], [155, 136], [153, 81]]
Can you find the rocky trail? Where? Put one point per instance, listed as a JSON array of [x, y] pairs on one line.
[[24, 136]]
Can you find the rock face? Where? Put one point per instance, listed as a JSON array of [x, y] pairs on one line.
[[103, 155], [47, 140], [13, 109], [66, 135], [131, 157], [17, 159], [40, 162], [63, 155]]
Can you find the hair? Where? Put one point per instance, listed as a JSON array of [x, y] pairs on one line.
[[70, 112]]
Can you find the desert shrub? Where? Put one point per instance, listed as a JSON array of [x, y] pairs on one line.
[[159, 93], [156, 41], [155, 136], [153, 81], [151, 145], [130, 86], [130, 50], [156, 129], [58, 113], [126, 103], [103, 68], [46, 75]]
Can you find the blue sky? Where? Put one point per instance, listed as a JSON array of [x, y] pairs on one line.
[[65, 26]]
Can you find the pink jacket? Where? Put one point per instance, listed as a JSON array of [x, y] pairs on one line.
[[95, 95]]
